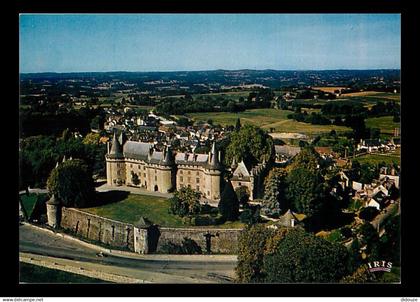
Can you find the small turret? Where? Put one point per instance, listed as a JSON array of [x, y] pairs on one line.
[[116, 149], [122, 138], [214, 158], [168, 158], [53, 212]]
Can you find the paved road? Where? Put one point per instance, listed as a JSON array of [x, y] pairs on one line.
[[149, 268]]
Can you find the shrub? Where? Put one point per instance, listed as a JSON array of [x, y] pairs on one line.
[[185, 202], [250, 216], [72, 183], [303, 257], [251, 245]]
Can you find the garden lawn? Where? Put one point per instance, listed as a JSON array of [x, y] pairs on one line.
[[388, 158], [28, 202], [129, 210], [266, 118], [155, 209]]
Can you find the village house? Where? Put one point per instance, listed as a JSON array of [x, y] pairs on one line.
[[285, 153]]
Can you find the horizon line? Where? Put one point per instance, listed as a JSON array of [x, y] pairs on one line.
[[218, 69]]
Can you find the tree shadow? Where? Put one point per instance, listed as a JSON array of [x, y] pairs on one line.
[[153, 239], [104, 198], [316, 224]]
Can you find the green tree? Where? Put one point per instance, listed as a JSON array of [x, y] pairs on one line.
[[303, 257], [72, 183], [91, 138], [307, 158], [251, 246], [185, 202], [250, 144], [229, 204], [238, 124], [369, 238], [360, 275], [274, 195], [303, 190]]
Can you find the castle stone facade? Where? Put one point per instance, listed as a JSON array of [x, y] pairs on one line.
[[138, 164]]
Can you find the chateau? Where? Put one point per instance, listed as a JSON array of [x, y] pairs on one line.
[[139, 164]]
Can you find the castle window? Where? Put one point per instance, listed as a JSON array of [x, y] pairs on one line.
[[189, 172], [181, 179], [144, 168], [144, 174], [208, 193], [131, 165], [155, 178], [197, 180], [198, 173], [239, 184], [138, 166], [181, 172], [198, 188]]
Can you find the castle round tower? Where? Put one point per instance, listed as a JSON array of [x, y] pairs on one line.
[[53, 212], [214, 173], [167, 175], [115, 165]]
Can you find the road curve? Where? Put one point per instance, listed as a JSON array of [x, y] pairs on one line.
[[147, 268]]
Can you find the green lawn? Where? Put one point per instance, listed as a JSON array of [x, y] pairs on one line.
[[29, 201], [30, 273], [266, 119], [375, 159], [385, 123], [156, 209]]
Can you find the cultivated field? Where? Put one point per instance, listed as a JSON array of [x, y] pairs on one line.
[[328, 88], [385, 123], [266, 119]]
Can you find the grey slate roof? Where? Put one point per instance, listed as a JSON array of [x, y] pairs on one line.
[[286, 150], [138, 150], [191, 159]]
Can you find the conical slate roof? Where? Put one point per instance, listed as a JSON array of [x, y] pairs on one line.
[[214, 158], [285, 220], [143, 223], [116, 150], [168, 158]]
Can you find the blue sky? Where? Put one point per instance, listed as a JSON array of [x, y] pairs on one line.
[[171, 42]]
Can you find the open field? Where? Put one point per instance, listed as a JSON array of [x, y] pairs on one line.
[[156, 209], [266, 119], [385, 123], [328, 89], [30, 273], [228, 94], [388, 158]]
